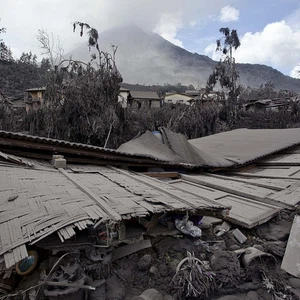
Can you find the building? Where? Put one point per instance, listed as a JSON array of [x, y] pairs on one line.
[[175, 98], [265, 105], [123, 97], [194, 93], [34, 98], [144, 99], [201, 95]]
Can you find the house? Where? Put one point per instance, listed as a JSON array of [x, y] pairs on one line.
[[194, 93], [34, 98], [49, 204], [144, 98], [265, 105], [123, 97], [175, 98], [200, 95]]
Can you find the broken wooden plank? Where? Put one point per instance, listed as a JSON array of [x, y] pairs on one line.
[[123, 251], [244, 211], [238, 189]]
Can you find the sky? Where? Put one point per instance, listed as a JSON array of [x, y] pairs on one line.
[[269, 30]]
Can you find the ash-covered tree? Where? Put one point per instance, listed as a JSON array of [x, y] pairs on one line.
[[28, 58], [225, 72], [81, 97], [5, 52]]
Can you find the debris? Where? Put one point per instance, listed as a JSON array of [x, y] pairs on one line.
[[211, 220], [272, 231], [115, 289], [187, 227], [294, 282], [221, 229], [239, 236], [76, 289], [226, 265], [66, 284], [276, 248], [123, 251], [99, 293], [212, 246], [230, 241], [259, 247], [192, 279], [275, 286], [69, 276], [100, 254], [28, 264], [12, 198], [163, 270], [144, 262], [154, 272], [150, 294], [252, 295], [253, 255], [291, 259]]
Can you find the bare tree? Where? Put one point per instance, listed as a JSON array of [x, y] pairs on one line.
[[51, 46]]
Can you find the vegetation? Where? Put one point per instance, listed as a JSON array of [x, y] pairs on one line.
[[82, 98], [225, 72]]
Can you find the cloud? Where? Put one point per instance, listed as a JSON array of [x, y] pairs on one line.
[[295, 72], [229, 14], [278, 45], [168, 27], [166, 17]]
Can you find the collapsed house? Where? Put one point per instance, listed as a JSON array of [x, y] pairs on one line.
[[38, 200], [57, 195]]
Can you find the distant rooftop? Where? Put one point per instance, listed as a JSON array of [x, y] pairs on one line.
[[124, 90], [144, 95], [36, 89]]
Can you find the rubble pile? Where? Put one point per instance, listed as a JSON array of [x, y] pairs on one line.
[[225, 262]]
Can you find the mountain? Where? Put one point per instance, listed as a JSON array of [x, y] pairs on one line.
[[147, 58]]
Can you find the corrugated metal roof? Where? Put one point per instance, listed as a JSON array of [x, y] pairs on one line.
[[55, 142], [228, 149], [242, 146], [175, 149]]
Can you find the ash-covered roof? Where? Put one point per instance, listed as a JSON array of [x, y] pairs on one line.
[[147, 95], [36, 89], [242, 146], [35, 203]]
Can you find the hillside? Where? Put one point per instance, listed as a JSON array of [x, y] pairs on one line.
[[147, 58], [16, 77]]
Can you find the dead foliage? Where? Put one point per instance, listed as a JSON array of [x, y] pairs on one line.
[[192, 279]]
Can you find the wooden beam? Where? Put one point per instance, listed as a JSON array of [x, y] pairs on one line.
[[163, 174]]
